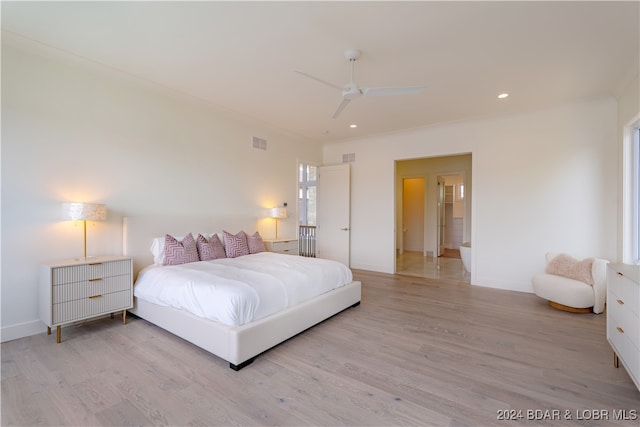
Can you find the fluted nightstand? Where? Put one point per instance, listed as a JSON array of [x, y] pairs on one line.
[[78, 289], [282, 246]]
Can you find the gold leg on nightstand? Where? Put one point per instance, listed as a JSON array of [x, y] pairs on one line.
[[48, 330], [616, 361], [58, 334], [124, 317]]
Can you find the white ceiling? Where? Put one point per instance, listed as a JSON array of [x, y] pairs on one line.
[[242, 55]]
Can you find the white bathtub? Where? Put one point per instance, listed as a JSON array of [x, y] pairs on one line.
[[465, 254]]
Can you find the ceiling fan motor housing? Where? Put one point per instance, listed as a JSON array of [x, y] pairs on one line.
[[351, 91], [352, 54]]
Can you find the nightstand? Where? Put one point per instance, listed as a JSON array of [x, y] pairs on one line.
[[79, 289], [282, 246]]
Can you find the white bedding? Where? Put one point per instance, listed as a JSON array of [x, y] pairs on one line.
[[236, 291]]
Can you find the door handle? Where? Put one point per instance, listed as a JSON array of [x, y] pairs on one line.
[[345, 229]]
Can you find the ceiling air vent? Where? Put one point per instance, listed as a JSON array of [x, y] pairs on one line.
[[349, 157], [259, 143]]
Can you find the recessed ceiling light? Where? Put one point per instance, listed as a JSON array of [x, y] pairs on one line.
[[353, 125], [503, 95]]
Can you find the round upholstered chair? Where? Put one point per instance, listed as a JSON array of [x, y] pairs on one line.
[[579, 286]]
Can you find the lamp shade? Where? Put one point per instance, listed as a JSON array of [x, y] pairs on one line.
[[278, 213], [84, 211]]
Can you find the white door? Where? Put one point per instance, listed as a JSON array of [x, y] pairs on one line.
[[333, 213]]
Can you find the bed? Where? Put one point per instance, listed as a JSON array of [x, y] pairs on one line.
[[237, 344]]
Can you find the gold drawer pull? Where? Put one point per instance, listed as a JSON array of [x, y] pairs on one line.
[[100, 296], [619, 301], [94, 264], [96, 280], [620, 329], [619, 274]]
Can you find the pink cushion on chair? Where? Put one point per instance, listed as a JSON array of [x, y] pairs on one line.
[[235, 245], [210, 249], [180, 252], [571, 268]]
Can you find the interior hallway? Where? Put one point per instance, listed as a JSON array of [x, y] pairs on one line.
[[449, 266]]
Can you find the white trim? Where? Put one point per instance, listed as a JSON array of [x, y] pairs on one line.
[[21, 330], [629, 193]]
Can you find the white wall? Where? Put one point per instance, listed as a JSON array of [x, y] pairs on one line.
[[75, 131], [542, 181]]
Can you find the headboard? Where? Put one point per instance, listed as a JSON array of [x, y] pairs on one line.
[[139, 231]]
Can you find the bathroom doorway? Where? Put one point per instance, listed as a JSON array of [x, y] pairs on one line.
[[413, 214], [450, 213], [432, 221]]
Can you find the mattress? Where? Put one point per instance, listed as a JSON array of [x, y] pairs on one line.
[[236, 291]]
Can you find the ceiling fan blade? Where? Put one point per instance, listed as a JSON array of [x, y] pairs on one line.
[[343, 104], [384, 91], [319, 80]]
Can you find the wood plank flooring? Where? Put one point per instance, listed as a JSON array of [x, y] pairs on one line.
[[418, 352]]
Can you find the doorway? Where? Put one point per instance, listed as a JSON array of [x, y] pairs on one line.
[[433, 216], [451, 211], [413, 198]]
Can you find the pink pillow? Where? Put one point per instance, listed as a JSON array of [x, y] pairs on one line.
[[235, 245], [210, 249], [567, 266], [180, 252], [255, 242]]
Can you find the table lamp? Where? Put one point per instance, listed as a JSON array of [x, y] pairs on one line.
[[84, 212]]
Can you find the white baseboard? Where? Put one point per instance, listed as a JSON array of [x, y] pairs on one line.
[[14, 332], [370, 267]]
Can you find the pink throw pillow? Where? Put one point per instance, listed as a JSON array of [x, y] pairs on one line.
[[569, 267], [235, 245], [180, 252], [256, 245], [210, 249]]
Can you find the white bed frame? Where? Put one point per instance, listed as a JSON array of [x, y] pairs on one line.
[[241, 344]]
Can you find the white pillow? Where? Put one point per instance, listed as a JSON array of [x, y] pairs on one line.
[[157, 249]]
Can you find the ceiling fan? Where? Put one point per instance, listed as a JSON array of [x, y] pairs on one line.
[[352, 91]]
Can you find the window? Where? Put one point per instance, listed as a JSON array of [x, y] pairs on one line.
[[631, 192], [635, 186], [307, 194]]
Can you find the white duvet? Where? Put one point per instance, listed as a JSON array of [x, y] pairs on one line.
[[235, 291]]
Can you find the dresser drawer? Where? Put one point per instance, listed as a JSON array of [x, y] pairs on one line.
[[89, 271], [91, 306], [282, 246], [625, 291], [88, 288], [623, 321], [628, 353]]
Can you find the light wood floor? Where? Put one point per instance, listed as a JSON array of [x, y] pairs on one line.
[[447, 267], [415, 352]]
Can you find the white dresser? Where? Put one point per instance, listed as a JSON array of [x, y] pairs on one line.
[[282, 246], [78, 289], [623, 317]]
